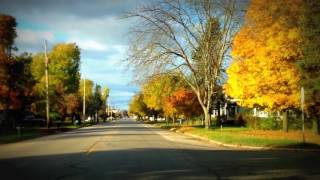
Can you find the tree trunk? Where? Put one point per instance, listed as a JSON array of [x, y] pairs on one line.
[[219, 115], [285, 121], [207, 119], [315, 126]]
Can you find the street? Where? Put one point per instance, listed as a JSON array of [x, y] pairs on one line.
[[126, 149]]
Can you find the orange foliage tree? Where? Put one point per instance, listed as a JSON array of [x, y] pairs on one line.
[[156, 90], [264, 50], [184, 101]]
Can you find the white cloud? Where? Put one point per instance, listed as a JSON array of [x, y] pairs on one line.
[[33, 37], [89, 44], [95, 27], [121, 93]]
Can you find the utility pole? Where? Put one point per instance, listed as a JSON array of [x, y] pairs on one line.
[[47, 84], [302, 114], [84, 98], [108, 110]]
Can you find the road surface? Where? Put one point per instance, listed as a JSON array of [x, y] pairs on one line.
[[126, 149]]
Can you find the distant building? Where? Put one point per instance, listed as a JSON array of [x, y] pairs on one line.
[[229, 109]]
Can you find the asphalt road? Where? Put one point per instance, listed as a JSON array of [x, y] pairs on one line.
[[130, 150]]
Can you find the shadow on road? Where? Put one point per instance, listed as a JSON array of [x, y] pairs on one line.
[[164, 164]]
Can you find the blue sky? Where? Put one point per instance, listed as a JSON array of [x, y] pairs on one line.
[[95, 25]]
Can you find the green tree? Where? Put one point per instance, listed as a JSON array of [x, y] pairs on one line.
[[97, 100], [64, 65], [138, 107], [64, 76], [104, 98], [89, 89], [22, 80], [309, 64]]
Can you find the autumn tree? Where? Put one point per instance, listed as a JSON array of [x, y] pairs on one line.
[[21, 80], [72, 102], [157, 88], [105, 94], [7, 36], [16, 81], [104, 98], [138, 107], [309, 64], [170, 109], [170, 32], [185, 102], [65, 65], [264, 50], [64, 76]]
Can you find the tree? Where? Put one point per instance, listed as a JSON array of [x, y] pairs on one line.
[[7, 36], [104, 99], [16, 81], [309, 64], [64, 76], [72, 102], [264, 50], [185, 102], [169, 109], [170, 32], [7, 33], [138, 107], [22, 80], [105, 94], [89, 89], [64, 65], [97, 100], [88, 94], [157, 88]]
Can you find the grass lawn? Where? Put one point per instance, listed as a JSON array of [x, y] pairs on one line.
[[10, 136], [249, 137]]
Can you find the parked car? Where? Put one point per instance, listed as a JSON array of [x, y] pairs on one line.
[[30, 120]]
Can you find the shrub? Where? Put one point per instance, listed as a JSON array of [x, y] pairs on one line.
[[240, 120], [268, 123], [247, 120], [54, 116]]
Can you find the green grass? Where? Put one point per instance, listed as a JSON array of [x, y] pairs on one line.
[[242, 136], [248, 137], [11, 136]]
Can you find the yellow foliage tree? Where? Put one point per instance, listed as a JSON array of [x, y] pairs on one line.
[[157, 88], [264, 50]]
